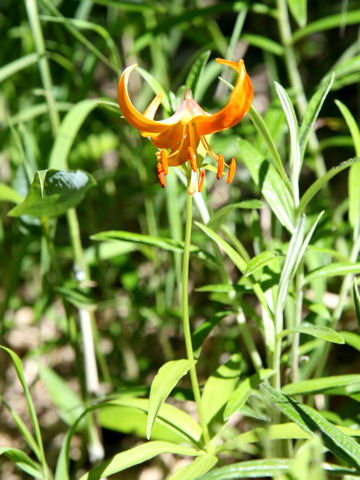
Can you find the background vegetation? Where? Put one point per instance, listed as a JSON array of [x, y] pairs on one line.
[[92, 256]]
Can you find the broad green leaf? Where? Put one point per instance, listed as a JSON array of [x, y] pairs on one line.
[[8, 194], [326, 23], [197, 467], [17, 65], [318, 331], [219, 216], [264, 43], [264, 132], [136, 455], [244, 390], [320, 183], [311, 421], [262, 260], [270, 467], [53, 192], [66, 400], [294, 156], [312, 113], [315, 385], [69, 128], [220, 386], [270, 183], [196, 71], [298, 8], [161, 242], [164, 381], [354, 172], [335, 269], [356, 296], [22, 461], [119, 415]]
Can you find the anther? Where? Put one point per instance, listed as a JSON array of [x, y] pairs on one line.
[[192, 158], [232, 169], [160, 174], [164, 161], [201, 180], [220, 168]]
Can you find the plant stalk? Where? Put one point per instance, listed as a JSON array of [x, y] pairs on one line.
[[186, 322]]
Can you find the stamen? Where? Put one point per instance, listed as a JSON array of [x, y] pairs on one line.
[[209, 150], [192, 158], [160, 174], [220, 167], [232, 169], [164, 160], [201, 180]]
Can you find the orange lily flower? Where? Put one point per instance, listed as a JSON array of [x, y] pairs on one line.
[[179, 136]]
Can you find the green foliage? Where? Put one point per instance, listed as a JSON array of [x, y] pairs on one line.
[[234, 347]]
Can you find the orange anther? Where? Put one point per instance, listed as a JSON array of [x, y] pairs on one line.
[[160, 174], [192, 158], [164, 160], [220, 168], [201, 180], [232, 169]]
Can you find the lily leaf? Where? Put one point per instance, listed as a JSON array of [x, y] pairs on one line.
[[53, 192]]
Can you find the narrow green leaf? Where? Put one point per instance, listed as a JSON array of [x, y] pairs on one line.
[[182, 426], [134, 456], [291, 260], [196, 71], [294, 157], [142, 239], [351, 338], [244, 390], [326, 23], [22, 461], [164, 381], [8, 194], [35, 424], [318, 331], [263, 130], [17, 65], [156, 88], [270, 467], [270, 183], [340, 444], [69, 128], [67, 401], [262, 260], [238, 261], [312, 112], [53, 192], [335, 269], [197, 467], [356, 296], [315, 385], [320, 182], [220, 386], [264, 43], [219, 216], [298, 8], [354, 172]]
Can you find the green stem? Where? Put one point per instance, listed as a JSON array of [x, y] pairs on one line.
[[299, 295], [186, 321]]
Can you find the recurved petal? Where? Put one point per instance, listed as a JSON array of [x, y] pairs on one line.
[[237, 106], [132, 115]]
